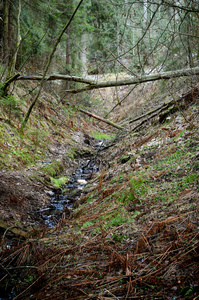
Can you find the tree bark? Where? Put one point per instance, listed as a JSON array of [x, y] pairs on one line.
[[7, 84], [67, 84], [139, 79], [12, 63], [6, 51], [102, 84], [58, 77]]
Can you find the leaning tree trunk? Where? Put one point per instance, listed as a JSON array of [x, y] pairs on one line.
[[47, 67]]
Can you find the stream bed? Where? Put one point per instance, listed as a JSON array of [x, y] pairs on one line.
[[62, 202]]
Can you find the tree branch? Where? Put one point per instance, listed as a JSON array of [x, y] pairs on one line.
[[101, 119], [185, 8]]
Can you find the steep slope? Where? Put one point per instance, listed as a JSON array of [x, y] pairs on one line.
[[134, 233]]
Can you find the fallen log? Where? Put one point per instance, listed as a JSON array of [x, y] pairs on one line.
[[57, 77], [13, 229], [94, 84], [188, 97], [174, 105], [101, 119], [138, 79]]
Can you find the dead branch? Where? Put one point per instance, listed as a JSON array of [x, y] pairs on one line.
[[101, 119], [165, 106], [13, 229], [93, 84]]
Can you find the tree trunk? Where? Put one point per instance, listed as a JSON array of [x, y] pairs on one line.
[[101, 119], [83, 54], [6, 50], [1, 27], [92, 84], [13, 59], [67, 85], [139, 79], [47, 67], [8, 31]]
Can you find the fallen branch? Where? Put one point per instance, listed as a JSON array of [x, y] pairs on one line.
[[165, 106], [101, 119], [187, 98], [162, 107], [13, 229]]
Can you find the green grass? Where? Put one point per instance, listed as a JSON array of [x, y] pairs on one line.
[[117, 221], [101, 136], [87, 224]]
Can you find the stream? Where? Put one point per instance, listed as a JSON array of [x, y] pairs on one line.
[[62, 202]]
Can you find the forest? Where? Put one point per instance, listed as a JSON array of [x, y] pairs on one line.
[[99, 149]]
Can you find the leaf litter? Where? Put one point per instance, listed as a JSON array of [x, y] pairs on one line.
[[134, 235]]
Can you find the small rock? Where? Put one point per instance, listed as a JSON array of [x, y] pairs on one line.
[[81, 181], [50, 193]]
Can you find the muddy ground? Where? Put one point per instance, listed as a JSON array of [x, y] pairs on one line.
[[21, 197]]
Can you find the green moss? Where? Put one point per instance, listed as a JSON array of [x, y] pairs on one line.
[[53, 169], [188, 180], [72, 154], [139, 185], [59, 182], [118, 237], [126, 197]]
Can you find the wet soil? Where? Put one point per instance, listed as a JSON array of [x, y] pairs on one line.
[[20, 197], [27, 201]]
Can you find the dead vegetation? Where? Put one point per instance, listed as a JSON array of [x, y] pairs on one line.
[[160, 262], [133, 235]]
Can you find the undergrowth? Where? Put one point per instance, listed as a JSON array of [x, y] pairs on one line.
[[134, 234], [46, 125]]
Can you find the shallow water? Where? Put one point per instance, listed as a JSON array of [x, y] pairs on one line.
[[74, 189]]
